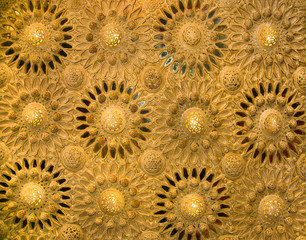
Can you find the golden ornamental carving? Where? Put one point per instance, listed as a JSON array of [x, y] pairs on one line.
[[152, 119]]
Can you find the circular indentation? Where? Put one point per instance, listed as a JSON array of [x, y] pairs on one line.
[[4, 153], [149, 235], [267, 35], [193, 206], [73, 158], [113, 120], [231, 79], [111, 36], [71, 232], [300, 78], [191, 35], [233, 165], [152, 162], [35, 34], [193, 120], [152, 78], [32, 194], [111, 201], [5, 74], [74, 77], [4, 230], [271, 122], [271, 207], [301, 167], [34, 115]]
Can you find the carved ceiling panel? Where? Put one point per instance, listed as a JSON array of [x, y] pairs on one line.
[[152, 119]]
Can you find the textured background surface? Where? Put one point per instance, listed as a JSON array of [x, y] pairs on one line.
[[152, 119]]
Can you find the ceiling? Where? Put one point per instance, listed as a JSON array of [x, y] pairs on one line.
[[152, 119]]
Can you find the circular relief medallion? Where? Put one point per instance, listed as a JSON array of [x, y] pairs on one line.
[[300, 79], [35, 34], [193, 206], [113, 120], [152, 78], [32, 194], [73, 158], [34, 115], [232, 165], [271, 122], [193, 120], [267, 35], [231, 79], [71, 232], [190, 35], [74, 77], [271, 208], [111, 201], [152, 162]]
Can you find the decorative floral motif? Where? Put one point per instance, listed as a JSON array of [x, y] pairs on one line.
[[152, 162], [71, 232], [36, 115], [34, 195], [192, 121], [75, 77], [270, 122], [193, 203], [115, 39], [191, 37], [113, 118], [112, 202], [270, 204], [36, 37], [267, 37]]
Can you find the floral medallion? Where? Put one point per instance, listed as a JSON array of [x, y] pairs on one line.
[[192, 204], [112, 202], [36, 38], [36, 116], [267, 37], [191, 37], [270, 122], [269, 204], [115, 39], [113, 118], [192, 120], [35, 195]]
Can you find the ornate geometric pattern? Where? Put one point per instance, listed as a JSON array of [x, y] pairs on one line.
[[152, 119]]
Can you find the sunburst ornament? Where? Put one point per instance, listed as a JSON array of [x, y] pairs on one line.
[[36, 42], [192, 120], [269, 203], [36, 195], [116, 37], [266, 39], [114, 119], [114, 202], [192, 203], [37, 116], [270, 122], [190, 38]]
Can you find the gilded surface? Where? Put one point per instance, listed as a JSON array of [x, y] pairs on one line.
[[152, 120]]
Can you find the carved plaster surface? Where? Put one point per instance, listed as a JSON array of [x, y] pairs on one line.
[[152, 120]]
